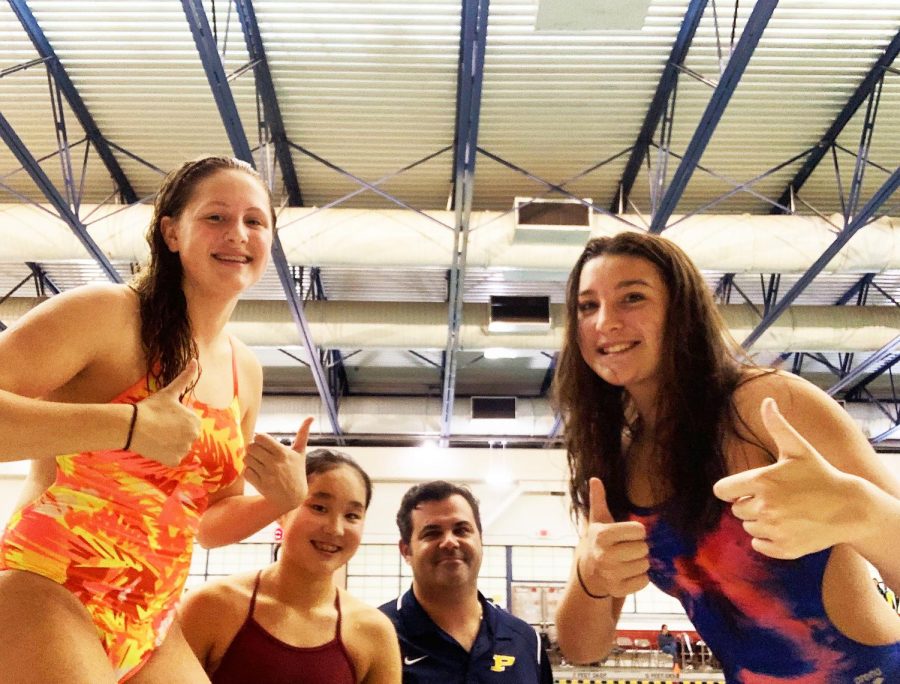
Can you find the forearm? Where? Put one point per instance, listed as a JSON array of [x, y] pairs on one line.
[[233, 519], [880, 514], [585, 626], [36, 429]]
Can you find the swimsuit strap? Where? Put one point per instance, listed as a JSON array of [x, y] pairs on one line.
[[234, 368], [253, 596]]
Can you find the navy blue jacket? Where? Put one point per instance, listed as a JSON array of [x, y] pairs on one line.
[[506, 650]]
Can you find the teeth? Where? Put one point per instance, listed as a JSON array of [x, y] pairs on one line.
[[617, 348], [329, 548], [234, 259]]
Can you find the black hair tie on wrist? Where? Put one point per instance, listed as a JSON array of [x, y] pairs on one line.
[[584, 586], [131, 427]]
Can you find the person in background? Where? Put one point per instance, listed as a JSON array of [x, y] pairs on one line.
[[665, 641], [747, 493], [137, 411], [449, 632], [289, 623]]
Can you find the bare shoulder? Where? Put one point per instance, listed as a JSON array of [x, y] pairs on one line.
[[366, 619], [219, 598], [816, 416]]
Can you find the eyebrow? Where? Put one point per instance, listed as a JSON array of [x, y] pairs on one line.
[[622, 284], [222, 203], [330, 497]]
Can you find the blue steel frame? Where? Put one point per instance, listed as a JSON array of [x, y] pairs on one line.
[[859, 96], [266, 88], [30, 164], [664, 89], [753, 30], [877, 363], [55, 67], [472, 43], [861, 219], [215, 73]]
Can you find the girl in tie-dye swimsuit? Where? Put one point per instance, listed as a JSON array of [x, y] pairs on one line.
[[146, 470], [688, 476], [117, 529]]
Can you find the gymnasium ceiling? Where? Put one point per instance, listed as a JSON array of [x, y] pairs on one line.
[[773, 126]]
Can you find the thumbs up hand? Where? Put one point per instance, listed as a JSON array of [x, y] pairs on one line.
[[612, 556], [164, 428], [278, 472], [797, 505]]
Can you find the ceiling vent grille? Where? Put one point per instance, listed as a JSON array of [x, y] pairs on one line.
[[555, 221], [493, 408], [519, 314]]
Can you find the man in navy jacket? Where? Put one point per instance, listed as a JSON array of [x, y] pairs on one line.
[[449, 633]]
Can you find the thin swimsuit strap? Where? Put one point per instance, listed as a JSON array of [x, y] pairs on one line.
[[337, 605], [234, 368]]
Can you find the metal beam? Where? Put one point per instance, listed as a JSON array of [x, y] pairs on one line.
[[30, 164], [862, 92], [218, 79], [76, 104], [472, 43], [266, 88], [218, 82], [753, 30], [861, 219], [874, 365], [658, 104], [298, 313]]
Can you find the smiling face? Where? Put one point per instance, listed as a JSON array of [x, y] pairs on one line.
[[445, 548], [324, 532], [224, 233], [622, 303]]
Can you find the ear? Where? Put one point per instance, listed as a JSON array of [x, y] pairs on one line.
[[404, 550], [169, 229]]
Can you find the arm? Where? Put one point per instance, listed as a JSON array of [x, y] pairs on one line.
[[94, 322], [386, 667], [277, 472], [199, 614], [612, 560], [826, 489]]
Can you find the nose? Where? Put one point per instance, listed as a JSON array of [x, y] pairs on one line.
[[334, 525], [237, 232], [449, 541], [607, 319]]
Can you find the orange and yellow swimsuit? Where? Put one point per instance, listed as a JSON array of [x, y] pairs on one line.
[[117, 529]]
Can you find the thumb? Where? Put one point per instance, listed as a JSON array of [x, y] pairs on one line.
[[180, 384], [302, 436], [789, 442], [599, 511]]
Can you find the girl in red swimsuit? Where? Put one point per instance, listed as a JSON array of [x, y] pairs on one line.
[[290, 623], [149, 402]]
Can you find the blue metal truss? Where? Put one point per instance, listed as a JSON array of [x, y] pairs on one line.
[[664, 89], [828, 140], [868, 370], [55, 68], [215, 73], [266, 89], [731, 76], [861, 219], [31, 166], [472, 43]]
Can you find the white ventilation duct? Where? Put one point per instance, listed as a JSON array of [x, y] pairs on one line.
[[423, 326], [400, 238], [422, 416]]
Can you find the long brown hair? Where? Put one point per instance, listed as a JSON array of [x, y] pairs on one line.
[[699, 372], [166, 336]]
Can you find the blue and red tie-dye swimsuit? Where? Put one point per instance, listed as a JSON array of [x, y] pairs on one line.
[[763, 618]]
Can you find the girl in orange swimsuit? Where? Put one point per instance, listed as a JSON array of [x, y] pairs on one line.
[[92, 564]]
